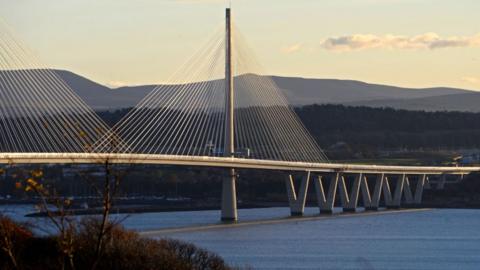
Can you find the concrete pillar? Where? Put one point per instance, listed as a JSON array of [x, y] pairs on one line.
[[326, 202], [377, 192], [419, 189], [366, 197], [407, 191], [387, 193], [342, 189], [229, 197], [297, 203], [397, 196], [350, 201]]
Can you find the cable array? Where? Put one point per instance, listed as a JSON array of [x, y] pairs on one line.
[[39, 112], [265, 124], [186, 116], [183, 117]]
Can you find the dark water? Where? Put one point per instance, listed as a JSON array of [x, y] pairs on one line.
[[432, 239]]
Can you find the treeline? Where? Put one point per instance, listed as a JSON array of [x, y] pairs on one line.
[[364, 129], [376, 129]]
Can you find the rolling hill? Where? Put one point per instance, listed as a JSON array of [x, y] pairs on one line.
[[299, 92]]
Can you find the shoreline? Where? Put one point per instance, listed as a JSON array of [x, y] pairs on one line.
[[163, 207], [229, 225]]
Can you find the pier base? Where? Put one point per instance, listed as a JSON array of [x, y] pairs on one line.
[[229, 197]]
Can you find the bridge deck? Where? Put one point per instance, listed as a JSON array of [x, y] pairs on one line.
[[97, 158]]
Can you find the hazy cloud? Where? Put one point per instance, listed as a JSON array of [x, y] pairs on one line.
[[292, 48], [430, 41], [472, 80]]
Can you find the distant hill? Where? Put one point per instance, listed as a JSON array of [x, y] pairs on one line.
[[299, 92], [468, 102], [100, 97]]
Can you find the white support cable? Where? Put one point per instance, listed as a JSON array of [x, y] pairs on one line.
[[296, 120], [260, 112], [216, 132], [199, 123], [259, 109], [166, 106], [206, 126], [167, 141], [200, 102], [257, 135], [134, 112], [175, 112], [31, 105], [25, 136], [32, 77], [274, 125], [52, 81]]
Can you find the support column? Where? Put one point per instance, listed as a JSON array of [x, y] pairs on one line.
[[407, 191], [377, 193], [326, 202], [349, 203], [419, 189], [229, 197], [297, 204], [387, 193], [397, 197], [366, 197]]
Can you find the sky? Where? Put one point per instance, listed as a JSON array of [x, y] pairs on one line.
[[410, 43]]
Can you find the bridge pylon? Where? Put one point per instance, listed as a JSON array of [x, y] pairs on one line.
[[229, 197]]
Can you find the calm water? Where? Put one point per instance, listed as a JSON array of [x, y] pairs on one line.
[[433, 239]]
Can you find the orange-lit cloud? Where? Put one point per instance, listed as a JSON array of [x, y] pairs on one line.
[[472, 80], [430, 41], [292, 48]]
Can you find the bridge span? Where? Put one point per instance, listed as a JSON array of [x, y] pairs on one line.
[[398, 185], [225, 162], [215, 112]]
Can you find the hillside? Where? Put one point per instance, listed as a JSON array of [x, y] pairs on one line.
[[299, 92]]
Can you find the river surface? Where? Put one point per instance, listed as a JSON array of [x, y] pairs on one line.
[[427, 239]]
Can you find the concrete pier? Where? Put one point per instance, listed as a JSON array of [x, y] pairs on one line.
[[350, 200], [326, 201], [229, 197], [377, 192], [297, 203]]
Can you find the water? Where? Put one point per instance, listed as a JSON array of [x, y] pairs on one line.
[[433, 239]]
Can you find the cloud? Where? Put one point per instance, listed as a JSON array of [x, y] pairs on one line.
[[472, 80], [429, 41], [292, 48]]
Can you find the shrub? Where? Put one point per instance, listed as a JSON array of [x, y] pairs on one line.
[[122, 250], [13, 241]]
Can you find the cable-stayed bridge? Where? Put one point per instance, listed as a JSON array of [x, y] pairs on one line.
[[218, 111]]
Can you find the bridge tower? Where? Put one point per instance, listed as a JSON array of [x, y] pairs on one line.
[[229, 197]]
